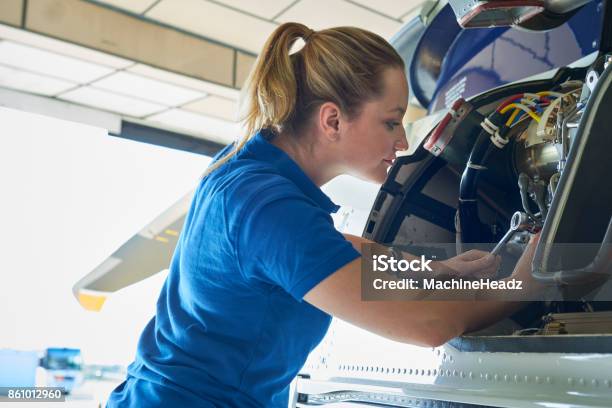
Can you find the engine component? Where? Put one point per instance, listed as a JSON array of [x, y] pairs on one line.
[[519, 222], [576, 323], [545, 143]]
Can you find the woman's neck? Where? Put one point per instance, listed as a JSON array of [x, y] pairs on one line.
[[307, 155]]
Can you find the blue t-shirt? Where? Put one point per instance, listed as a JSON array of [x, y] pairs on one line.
[[231, 329]]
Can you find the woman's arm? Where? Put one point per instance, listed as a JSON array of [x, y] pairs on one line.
[[424, 323]]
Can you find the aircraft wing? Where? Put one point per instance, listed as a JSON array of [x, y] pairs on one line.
[[148, 252]]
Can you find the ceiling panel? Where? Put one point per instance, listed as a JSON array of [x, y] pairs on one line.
[[135, 6], [144, 88], [210, 128], [215, 106], [215, 22], [262, 8], [132, 37], [391, 8], [185, 81], [62, 47], [49, 63], [112, 102], [25, 81], [339, 13], [10, 11]]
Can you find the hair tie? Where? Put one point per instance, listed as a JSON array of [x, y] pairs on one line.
[[306, 37]]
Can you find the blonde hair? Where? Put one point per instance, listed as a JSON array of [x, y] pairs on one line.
[[342, 65]]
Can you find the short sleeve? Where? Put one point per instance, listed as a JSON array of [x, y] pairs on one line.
[[289, 241]]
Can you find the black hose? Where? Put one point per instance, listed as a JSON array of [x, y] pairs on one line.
[[472, 229]]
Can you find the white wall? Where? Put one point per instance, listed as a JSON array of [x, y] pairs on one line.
[[356, 198], [70, 196]]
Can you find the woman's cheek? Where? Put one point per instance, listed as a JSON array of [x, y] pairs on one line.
[[380, 174]]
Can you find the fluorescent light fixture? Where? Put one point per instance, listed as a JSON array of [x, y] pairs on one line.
[[60, 109], [185, 81], [112, 102], [62, 47], [48, 63], [205, 127], [216, 106], [34, 83], [144, 88]]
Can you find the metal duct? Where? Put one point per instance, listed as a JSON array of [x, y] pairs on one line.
[[497, 13]]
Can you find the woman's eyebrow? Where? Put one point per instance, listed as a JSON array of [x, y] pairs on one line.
[[398, 109]]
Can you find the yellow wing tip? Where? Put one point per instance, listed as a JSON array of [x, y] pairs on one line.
[[90, 302]]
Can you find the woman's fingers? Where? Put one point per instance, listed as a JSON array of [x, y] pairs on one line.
[[472, 255], [479, 263]]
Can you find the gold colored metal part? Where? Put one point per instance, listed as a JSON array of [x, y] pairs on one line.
[[578, 323]]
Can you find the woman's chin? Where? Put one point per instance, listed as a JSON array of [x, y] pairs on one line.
[[378, 176]]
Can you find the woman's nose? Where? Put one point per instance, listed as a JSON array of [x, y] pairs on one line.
[[402, 143]]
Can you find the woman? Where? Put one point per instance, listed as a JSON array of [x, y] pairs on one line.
[[259, 267]]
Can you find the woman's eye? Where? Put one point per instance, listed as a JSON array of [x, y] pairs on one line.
[[392, 125]]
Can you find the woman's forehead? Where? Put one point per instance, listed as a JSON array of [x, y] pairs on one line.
[[395, 93]]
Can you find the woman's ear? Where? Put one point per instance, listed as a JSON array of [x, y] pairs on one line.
[[329, 120]]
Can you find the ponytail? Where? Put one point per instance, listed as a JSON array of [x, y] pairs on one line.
[[342, 65]]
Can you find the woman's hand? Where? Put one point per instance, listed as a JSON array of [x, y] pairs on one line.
[[522, 269], [471, 264]]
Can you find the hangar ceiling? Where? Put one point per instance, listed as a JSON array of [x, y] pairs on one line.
[[246, 24], [174, 64]]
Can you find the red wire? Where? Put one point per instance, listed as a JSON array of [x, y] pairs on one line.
[[509, 101], [516, 97]]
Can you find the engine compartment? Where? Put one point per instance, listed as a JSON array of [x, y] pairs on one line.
[[507, 155]]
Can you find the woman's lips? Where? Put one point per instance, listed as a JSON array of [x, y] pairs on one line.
[[389, 161]]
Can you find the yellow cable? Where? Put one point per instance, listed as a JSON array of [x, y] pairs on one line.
[[511, 118], [551, 93], [523, 108]]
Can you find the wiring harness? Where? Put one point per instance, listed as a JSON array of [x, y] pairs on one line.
[[494, 135]]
